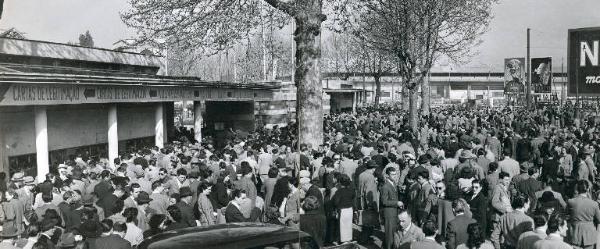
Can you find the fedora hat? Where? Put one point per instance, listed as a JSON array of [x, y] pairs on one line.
[[17, 177], [143, 198], [304, 180], [28, 180]]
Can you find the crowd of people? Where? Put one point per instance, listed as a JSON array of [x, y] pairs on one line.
[[466, 178]]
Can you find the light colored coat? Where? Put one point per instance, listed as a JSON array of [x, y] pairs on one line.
[[551, 242], [510, 227], [426, 244], [13, 215], [501, 199], [584, 212], [206, 210], [528, 239], [368, 192]]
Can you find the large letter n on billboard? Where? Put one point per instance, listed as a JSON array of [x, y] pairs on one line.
[[587, 52]]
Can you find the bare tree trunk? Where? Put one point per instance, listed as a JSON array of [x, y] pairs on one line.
[[264, 47], [235, 66], [272, 47], [308, 73], [220, 67], [425, 95], [405, 99], [414, 112], [227, 66], [247, 61], [377, 78], [274, 68]]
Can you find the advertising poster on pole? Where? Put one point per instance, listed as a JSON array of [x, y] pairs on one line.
[[541, 75], [514, 75]]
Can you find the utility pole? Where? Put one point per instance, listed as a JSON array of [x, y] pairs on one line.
[[564, 86], [293, 52], [528, 64]]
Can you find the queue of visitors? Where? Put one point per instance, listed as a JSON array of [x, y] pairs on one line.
[[483, 178]]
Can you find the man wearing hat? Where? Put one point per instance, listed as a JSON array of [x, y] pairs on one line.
[[467, 160], [517, 179], [588, 152], [548, 204], [144, 212], [25, 194], [17, 178], [63, 172], [186, 206], [586, 169]]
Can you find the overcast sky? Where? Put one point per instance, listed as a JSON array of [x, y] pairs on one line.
[[549, 20]]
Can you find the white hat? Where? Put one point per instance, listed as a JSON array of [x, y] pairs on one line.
[[304, 173], [304, 180]]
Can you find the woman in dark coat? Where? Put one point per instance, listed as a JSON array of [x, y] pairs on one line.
[[312, 221], [343, 201]]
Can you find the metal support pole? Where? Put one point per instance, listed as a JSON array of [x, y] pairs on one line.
[[528, 64]]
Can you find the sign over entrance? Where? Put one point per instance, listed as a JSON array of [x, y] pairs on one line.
[[584, 62], [14, 94]]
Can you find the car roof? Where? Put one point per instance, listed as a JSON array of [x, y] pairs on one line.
[[230, 235]]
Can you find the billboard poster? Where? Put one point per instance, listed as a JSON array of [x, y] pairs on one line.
[[514, 75], [584, 62], [541, 74]]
